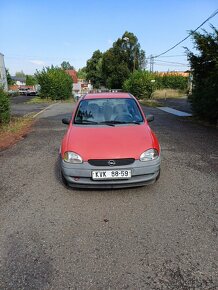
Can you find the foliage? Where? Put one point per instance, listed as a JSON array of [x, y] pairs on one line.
[[20, 74], [173, 81], [143, 83], [94, 69], [30, 80], [4, 107], [114, 71], [140, 84], [114, 66], [123, 58], [9, 79], [54, 83], [66, 65], [204, 67], [82, 74]]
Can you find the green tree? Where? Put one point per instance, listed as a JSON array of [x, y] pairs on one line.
[[30, 80], [65, 65], [4, 107], [121, 60], [54, 83], [94, 69], [82, 74], [204, 67], [9, 79]]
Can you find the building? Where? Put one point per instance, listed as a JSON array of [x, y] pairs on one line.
[[175, 73], [19, 81], [73, 75], [3, 76], [80, 86]]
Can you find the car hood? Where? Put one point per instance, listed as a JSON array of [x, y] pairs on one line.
[[109, 142]]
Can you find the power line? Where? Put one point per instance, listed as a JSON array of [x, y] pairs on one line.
[[210, 17], [177, 55], [172, 65], [172, 62]]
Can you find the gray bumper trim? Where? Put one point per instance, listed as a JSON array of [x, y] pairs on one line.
[[79, 175]]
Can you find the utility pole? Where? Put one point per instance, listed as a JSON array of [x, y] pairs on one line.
[[151, 63]]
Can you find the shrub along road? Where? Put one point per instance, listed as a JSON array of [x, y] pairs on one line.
[[162, 236]]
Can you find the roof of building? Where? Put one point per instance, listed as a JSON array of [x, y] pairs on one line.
[[73, 74], [178, 73], [20, 79]]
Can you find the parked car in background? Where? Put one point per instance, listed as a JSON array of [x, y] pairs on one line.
[[27, 92], [109, 144]]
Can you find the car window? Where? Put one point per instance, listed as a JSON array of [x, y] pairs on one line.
[[99, 111]]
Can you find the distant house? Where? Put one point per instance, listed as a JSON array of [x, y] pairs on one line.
[[80, 86], [73, 74], [3, 76], [177, 73], [20, 81]]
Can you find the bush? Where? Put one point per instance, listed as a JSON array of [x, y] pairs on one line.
[[204, 66], [140, 84], [54, 83], [4, 107], [173, 81], [204, 100], [143, 83]]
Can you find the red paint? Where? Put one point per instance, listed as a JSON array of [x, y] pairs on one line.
[[107, 142]]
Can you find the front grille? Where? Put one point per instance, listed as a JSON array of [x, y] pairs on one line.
[[105, 162]]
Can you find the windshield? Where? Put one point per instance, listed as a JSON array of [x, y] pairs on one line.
[[108, 111]]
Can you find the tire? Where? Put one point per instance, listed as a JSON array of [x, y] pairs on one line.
[[64, 181], [158, 176]]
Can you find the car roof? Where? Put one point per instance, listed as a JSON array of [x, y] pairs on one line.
[[107, 96]]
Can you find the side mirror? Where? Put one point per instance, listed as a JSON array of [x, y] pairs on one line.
[[150, 118], [66, 121]]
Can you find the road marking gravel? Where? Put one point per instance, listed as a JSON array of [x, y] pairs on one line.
[[45, 109], [175, 112]]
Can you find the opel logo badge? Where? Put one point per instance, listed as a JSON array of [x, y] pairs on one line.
[[111, 162]]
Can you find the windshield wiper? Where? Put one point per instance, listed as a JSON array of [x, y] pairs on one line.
[[108, 123], [132, 122], [85, 122]]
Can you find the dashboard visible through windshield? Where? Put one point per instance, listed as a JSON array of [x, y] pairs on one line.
[[108, 111]]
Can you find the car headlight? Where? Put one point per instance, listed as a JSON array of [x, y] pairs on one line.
[[72, 157], [149, 155]]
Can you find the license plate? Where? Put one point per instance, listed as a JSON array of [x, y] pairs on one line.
[[111, 174]]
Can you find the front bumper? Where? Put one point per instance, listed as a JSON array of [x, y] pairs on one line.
[[80, 175]]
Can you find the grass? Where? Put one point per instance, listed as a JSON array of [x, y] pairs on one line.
[[15, 130], [15, 125], [150, 103], [168, 93], [38, 100]]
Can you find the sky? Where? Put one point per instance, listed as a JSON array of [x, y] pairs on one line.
[[37, 33]]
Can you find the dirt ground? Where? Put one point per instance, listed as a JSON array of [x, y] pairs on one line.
[[8, 139]]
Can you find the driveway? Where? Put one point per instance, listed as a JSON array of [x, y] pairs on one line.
[[180, 104], [20, 108], [163, 236]]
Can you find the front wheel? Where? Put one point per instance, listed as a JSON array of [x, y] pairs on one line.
[[64, 181], [158, 176]]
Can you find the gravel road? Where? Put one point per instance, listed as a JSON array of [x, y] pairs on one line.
[[163, 236]]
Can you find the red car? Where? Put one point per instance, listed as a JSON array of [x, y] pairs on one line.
[[109, 144]]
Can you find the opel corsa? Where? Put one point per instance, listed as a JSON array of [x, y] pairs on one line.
[[109, 144]]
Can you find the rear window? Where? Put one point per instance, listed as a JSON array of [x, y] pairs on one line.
[[99, 111]]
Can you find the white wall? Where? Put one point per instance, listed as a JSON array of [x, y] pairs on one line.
[[3, 77]]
